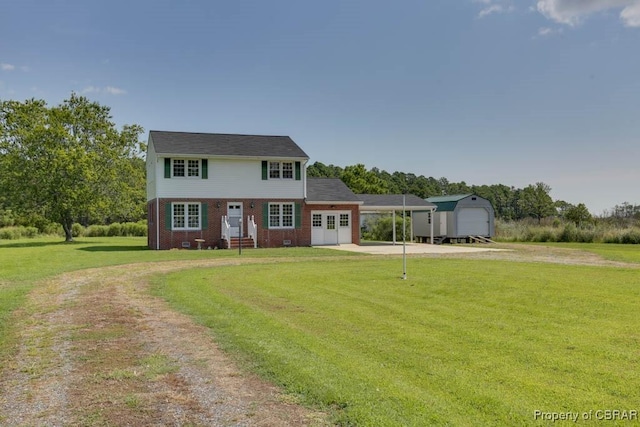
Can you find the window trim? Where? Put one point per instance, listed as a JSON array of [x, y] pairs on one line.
[[186, 168], [281, 169], [187, 215], [348, 217], [281, 216]]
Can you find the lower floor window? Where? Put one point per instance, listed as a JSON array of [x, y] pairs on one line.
[[185, 216], [316, 220], [344, 220], [281, 215]]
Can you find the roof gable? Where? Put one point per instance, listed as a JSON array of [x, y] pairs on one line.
[[226, 145]]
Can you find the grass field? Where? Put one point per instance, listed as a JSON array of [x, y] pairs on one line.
[[461, 342]]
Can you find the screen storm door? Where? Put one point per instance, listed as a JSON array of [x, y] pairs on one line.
[[234, 215]]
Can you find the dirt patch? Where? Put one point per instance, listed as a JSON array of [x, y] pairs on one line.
[[98, 350], [541, 253]]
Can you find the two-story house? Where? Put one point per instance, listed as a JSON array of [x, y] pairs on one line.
[[212, 189]]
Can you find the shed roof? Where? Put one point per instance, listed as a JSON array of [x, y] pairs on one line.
[[389, 202], [220, 144], [330, 190], [447, 203]]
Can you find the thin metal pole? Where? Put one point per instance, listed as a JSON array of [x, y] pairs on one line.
[[404, 240], [240, 237]]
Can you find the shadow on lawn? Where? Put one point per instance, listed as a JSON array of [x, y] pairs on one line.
[[34, 244], [114, 248]]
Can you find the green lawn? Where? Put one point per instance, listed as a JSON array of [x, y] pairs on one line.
[[461, 342], [23, 262]]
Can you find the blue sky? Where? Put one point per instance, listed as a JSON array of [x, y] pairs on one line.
[[481, 91]]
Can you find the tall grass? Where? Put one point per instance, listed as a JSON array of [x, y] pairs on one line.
[[127, 229], [556, 231]]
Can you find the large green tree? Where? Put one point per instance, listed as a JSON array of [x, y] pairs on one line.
[[68, 162], [579, 214], [535, 201], [362, 181]]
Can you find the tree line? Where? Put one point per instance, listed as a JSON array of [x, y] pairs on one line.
[[510, 203], [69, 164]]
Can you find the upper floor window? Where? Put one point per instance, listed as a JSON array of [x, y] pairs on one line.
[[178, 167], [274, 170], [182, 168], [287, 170], [282, 170]]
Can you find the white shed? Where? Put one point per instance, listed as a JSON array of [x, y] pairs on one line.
[[458, 217]]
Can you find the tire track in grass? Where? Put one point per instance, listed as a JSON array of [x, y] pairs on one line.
[[96, 349]]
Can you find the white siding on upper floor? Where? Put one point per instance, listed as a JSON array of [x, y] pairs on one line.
[[152, 170], [228, 178]]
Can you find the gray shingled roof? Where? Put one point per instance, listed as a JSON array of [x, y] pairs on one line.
[[393, 201], [329, 190], [218, 144]]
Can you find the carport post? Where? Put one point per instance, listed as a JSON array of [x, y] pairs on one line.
[[393, 221]]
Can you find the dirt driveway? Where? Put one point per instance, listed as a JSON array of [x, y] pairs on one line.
[[98, 350]]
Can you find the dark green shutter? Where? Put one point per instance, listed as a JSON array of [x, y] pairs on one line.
[[167, 216], [298, 215], [205, 169], [298, 171], [167, 167], [265, 170], [203, 216], [265, 215]]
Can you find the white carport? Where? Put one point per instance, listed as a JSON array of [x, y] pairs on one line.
[[376, 203]]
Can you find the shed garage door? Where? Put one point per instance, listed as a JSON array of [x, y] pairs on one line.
[[473, 222]]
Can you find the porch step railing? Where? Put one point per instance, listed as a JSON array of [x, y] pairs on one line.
[[226, 230], [252, 230]]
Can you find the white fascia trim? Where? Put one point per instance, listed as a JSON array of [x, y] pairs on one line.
[[328, 202]]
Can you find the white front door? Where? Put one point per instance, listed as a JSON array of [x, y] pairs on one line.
[[234, 216]]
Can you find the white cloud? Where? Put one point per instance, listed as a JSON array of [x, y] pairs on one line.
[[548, 32], [111, 90], [630, 15], [7, 67], [573, 12], [90, 89], [494, 6], [114, 90]]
